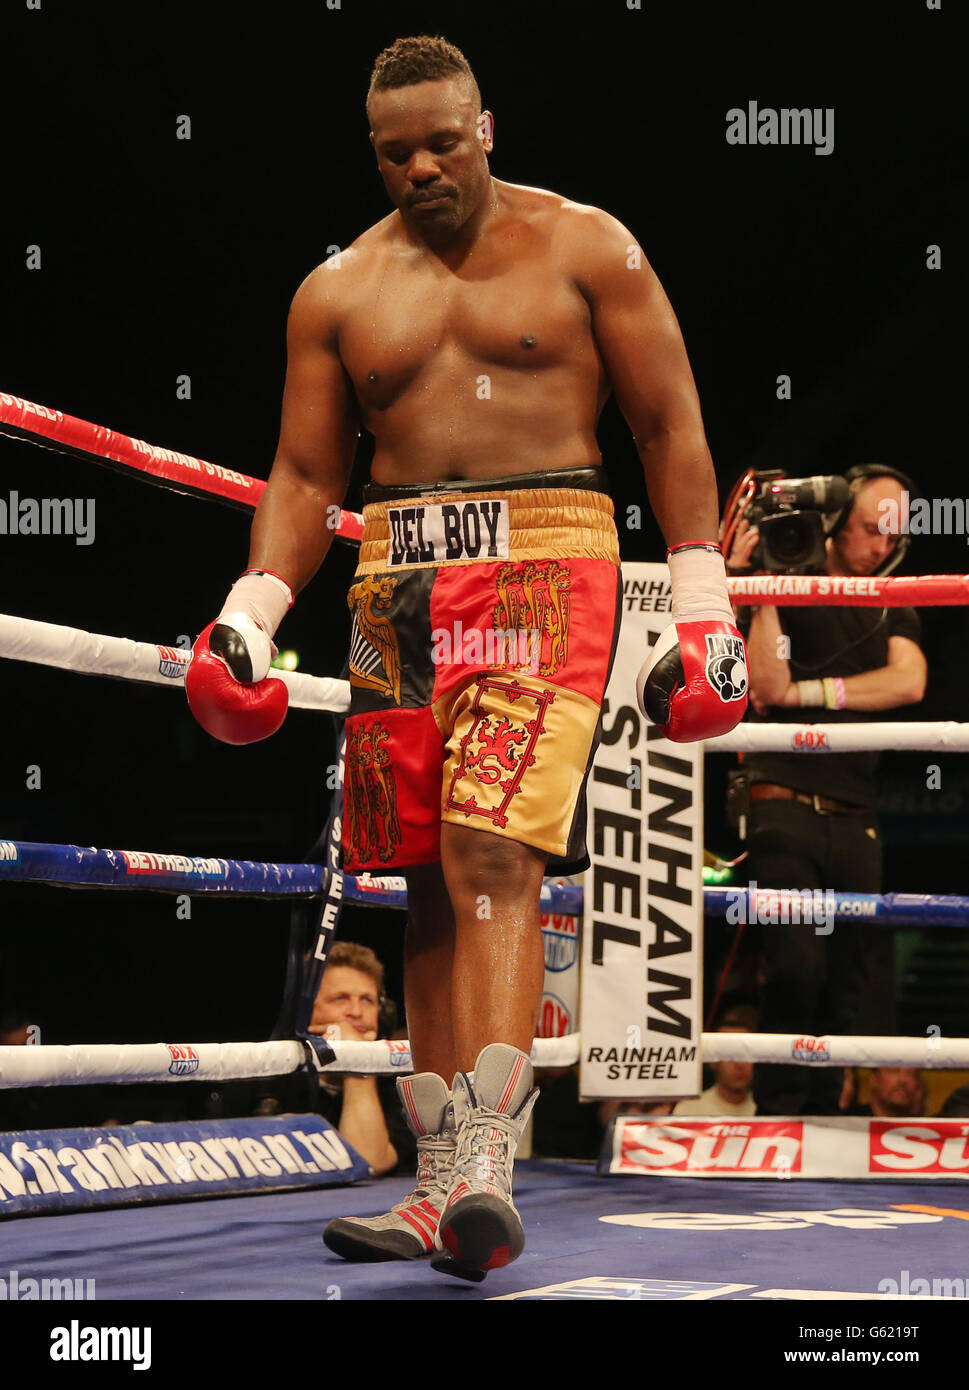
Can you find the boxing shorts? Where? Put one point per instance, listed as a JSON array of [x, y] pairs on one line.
[[485, 621]]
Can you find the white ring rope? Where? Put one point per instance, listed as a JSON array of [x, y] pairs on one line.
[[89, 653], [87, 1064], [100, 1064], [943, 735], [836, 1050]]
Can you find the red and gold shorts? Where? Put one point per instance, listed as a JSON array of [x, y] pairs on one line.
[[484, 629]]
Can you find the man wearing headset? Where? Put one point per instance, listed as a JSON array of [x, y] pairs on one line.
[[812, 820], [351, 1005]]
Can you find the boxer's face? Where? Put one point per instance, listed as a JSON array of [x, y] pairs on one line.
[[862, 546], [432, 152]]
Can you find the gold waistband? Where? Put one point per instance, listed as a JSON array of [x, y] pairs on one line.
[[544, 524]]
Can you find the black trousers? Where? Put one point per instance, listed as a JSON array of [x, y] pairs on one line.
[[843, 982]]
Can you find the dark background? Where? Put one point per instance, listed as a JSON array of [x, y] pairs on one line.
[[163, 257]]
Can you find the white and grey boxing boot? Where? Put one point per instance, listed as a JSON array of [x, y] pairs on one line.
[[408, 1230], [480, 1228]]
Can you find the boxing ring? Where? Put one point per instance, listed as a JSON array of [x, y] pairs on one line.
[[588, 1238], [674, 1227]]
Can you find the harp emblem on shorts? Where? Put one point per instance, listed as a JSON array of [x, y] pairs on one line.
[[535, 596], [374, 653]]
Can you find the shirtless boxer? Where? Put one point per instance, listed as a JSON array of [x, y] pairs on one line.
[[476, 332]]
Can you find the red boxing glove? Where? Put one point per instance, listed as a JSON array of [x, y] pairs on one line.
[[694, 685], [228, 685], [228, 708]]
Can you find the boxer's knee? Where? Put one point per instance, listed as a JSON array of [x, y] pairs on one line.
[[488, 873]]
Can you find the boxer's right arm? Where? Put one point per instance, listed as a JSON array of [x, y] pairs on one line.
[[294, 523], [227, 682]]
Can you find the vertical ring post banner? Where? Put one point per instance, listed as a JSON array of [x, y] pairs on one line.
[[559, 1014], [332, 898], [641, 992]]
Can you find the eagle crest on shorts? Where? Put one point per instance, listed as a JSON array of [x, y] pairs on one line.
[[374, 652]]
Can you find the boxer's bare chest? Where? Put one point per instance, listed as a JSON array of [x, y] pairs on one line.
[[412, 321]]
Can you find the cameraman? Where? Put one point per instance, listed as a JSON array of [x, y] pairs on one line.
[[811, 820]]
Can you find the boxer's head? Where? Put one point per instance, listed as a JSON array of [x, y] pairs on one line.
[[430, 136]]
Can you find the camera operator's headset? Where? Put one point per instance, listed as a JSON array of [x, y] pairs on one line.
[[748, 484], [860, 472], [387, 1016]]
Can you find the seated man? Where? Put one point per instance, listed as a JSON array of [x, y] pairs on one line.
[[894, 1092], [730, 1093], [363, 1108]]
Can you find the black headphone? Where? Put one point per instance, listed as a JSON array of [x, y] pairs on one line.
[[877, 470], [386, 1016]]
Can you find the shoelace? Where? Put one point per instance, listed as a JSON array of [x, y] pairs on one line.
[[434, 1160], [473, 1162]]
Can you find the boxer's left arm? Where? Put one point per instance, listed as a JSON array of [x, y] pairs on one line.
[[695, 683], [643, 352]]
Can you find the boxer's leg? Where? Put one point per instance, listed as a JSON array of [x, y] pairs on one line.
[[428, 971], [408, 1230], [494, 885]]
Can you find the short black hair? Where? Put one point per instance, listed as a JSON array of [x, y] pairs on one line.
[[738, 1016], [13, 1018], [423, 58]]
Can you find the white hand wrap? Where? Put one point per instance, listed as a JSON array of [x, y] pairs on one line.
[[256, 605], [699, 584]]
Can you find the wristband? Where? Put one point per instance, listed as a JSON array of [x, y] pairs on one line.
[[810, 692], [835, 696], [694, 545]]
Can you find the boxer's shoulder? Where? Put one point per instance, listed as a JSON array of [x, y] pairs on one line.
[[582, 236], [332, 288]]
